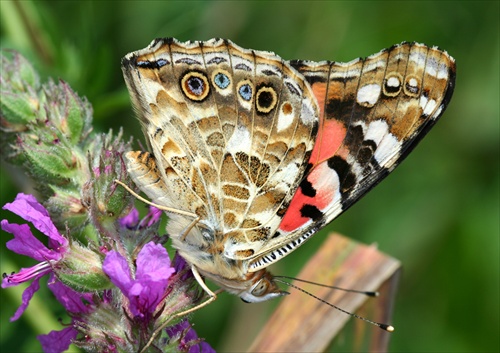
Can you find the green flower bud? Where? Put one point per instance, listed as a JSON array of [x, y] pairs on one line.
[[66, 207], [104, 330], [50, 158], [106, 201], [19, 84], [81, 269], [69, 114]]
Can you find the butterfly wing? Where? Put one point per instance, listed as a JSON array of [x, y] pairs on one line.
[[231, 132], [373, 112]]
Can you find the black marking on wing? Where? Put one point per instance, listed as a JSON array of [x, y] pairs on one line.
[[146, 64], [311, 211], [187, 61], [216, 60], [243, 67]]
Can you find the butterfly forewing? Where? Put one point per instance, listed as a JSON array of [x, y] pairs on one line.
[[372, 113]]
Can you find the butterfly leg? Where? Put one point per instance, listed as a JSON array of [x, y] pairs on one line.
[[160, 207], [201, 282]]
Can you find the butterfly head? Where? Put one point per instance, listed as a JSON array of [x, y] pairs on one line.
[[263, 288]]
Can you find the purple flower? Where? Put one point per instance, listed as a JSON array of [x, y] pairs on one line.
[[131, 221], [25, 243], [147, 288], [153, 216], [188, 339], [73, 302]]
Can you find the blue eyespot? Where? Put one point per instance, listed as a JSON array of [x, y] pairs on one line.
[[221, 80], [245, 92]]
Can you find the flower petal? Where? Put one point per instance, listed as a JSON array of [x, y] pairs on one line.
[[154, 216], [131, 220], [57, 341], [153, 263], [204, 348], [188, 338], [26, 297], [25, 243], [116, 267], [27, 207]]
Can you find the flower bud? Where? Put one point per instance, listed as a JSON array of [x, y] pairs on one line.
[[81, 269], [69, 114], [51, 159], [66, 208], [106, 201], [19, 83]]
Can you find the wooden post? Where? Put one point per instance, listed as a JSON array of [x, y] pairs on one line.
[[304, 324]]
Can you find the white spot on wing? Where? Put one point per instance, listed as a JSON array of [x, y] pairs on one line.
[[427, 105], [388, 146], [240, 141], [393, 82], [376, 131], [368, 94], [418, 58], [442, 71], [438, 112], [308, 115], [388, 150], [284, 120]]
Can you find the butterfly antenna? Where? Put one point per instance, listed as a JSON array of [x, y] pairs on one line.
[[385, 327], [367, 293]]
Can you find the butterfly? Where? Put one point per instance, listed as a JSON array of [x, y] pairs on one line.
[[251, 155]]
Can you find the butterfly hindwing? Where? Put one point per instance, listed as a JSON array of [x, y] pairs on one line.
[[373, 112], [231, 131]]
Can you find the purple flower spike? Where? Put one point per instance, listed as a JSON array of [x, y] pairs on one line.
[[25, 243], [27, 207], [73, 301], [153, 271]]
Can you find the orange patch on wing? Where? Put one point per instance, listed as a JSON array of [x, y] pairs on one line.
[[328, 141], [321, 180], [319, 91], [293, 219]]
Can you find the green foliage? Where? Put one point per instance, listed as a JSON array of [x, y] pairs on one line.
[[438, 213]]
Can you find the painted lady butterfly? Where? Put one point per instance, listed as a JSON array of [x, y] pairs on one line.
[[252, 155]]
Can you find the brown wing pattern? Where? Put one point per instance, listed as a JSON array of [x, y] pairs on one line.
[[231, 131]]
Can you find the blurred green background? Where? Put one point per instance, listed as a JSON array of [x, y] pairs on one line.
[[438, 213]]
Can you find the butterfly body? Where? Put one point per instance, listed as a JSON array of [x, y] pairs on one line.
[[264, 152]]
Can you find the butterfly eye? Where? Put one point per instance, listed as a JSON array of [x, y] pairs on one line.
[[260, 288], [195, 86]]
